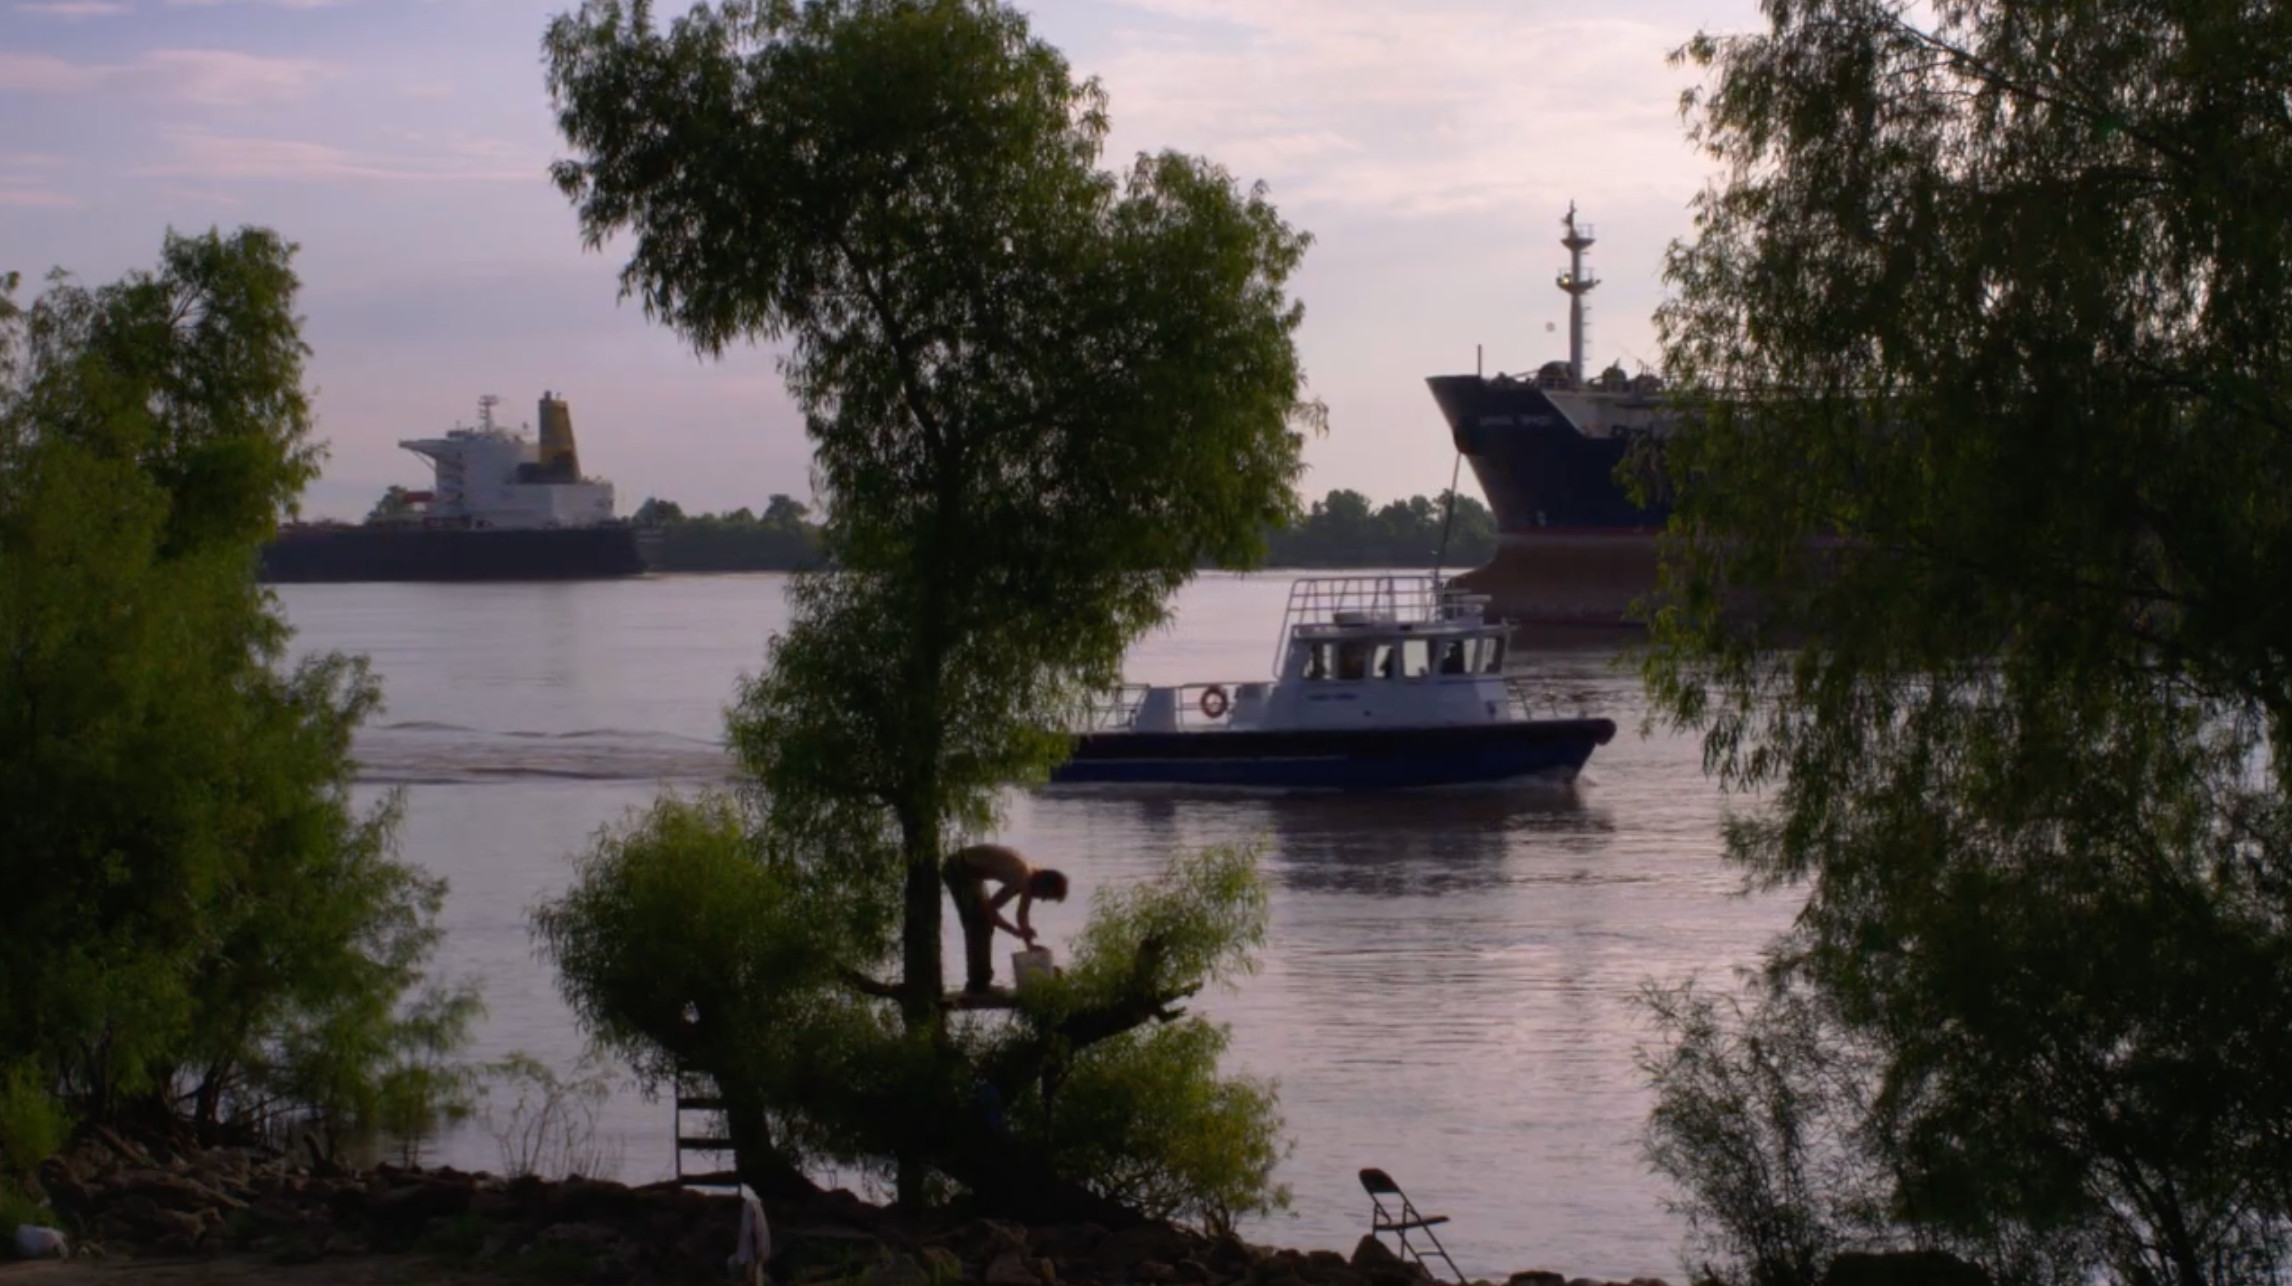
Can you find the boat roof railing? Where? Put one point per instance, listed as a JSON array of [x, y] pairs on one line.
[[1353, 601]]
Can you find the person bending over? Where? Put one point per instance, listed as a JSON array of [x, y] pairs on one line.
[[967, 872]]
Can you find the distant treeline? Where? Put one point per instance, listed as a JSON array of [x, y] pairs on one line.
[[782, 538], [1343, 529]]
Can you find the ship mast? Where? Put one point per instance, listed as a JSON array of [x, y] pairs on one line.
[[1578, 240]]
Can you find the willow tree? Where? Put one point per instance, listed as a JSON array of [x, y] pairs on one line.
[[1988, 327], [1040, 393], [1978, 567], [197, 917]]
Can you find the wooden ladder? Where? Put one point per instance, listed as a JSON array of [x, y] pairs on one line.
[[696, 1095]]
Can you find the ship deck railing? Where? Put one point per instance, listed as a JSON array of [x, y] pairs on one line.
[[1408, 598], [1117, 710]]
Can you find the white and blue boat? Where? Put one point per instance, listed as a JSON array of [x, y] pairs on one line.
[[1379, 683]]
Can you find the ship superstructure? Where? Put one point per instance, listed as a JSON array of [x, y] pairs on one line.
[[489, 476], [1548, 447]]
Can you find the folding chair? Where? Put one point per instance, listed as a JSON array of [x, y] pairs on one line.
[[1404, 1220]]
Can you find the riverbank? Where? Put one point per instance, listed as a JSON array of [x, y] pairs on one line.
[[248, 1214]]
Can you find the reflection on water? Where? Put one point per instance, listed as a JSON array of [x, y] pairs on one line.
[[1447, 987]]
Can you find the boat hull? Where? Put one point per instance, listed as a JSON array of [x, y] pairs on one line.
[[1360, 759]]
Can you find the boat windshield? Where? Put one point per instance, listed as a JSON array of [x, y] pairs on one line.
[[1355, 659]]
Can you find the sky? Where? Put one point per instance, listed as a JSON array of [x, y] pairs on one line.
[[1430, 146]]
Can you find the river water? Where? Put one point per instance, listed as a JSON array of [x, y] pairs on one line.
[[1447, 992]]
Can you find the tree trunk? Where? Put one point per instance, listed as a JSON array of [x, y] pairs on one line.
[[762, 1165], [922, 980]]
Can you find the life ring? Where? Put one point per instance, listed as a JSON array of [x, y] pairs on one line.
[[1214, 703]]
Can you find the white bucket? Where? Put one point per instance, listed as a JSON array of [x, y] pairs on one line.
[[1030, 964]]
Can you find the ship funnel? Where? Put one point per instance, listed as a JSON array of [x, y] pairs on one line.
[[559, 460]]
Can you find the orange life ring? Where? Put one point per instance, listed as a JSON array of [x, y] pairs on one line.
[[1214, 703]]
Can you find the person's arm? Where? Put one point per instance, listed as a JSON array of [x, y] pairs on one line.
[[995, 912]]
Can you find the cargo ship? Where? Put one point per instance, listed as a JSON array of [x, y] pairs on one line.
[[1549, 449], [501, 507]]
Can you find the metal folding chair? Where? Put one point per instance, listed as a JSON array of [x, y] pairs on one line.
[[1403, 1219]]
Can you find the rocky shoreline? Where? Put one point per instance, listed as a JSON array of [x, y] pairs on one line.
[[142, 1199]]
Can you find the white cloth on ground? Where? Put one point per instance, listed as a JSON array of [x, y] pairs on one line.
[[36, 1242], [755, 1244]]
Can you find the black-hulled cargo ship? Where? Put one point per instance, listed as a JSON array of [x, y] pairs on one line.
[[503, 507], [1574, 550]]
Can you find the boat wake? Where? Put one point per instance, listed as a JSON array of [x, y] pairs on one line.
[[425, 752]]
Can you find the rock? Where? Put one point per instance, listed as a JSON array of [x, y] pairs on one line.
[[1536, 1277], [941, 1264], [1067, 1241], [581, 1234], [981, 1240], [420, 1200], [1902, 1268], [1130, 1247], [1647, 1281], [174, 1243], [172, 1190], [1011, 1268], [1328, 1268], [579, 1200], [1372, 1252], [895, 1269]]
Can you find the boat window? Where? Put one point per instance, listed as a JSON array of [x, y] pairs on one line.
[[1320, 660], [1493, 654], [1416, 658], [1388, 661], [1352, 660], [1452, 657]]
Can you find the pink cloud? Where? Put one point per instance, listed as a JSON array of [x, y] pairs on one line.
[[210, 155], [73, 8], [205, 77]]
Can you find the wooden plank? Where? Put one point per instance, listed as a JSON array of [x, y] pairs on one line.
[[997, 998]]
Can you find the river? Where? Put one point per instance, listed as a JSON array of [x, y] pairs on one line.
[[1447, 992]]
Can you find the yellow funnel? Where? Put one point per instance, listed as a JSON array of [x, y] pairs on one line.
[[559, 460]]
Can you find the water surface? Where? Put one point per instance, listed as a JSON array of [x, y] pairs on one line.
[[1448, 988]]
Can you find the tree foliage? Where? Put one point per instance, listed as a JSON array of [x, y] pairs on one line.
[[684, 943], [1040, 394], [197, 917], [1976, 563]]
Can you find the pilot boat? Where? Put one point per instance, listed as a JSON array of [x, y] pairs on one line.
[[1379, 683]]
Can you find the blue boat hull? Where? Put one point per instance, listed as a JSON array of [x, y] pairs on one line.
[[1351, 759]]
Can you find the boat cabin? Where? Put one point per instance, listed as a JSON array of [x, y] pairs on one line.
[[1356, 651]]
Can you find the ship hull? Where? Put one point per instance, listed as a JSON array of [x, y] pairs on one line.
[[338, 554], [1348, 760], [1562, 587], [1535, 465], [1575, 552]]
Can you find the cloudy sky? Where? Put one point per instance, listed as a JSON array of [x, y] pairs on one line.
[[1431, 146]]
